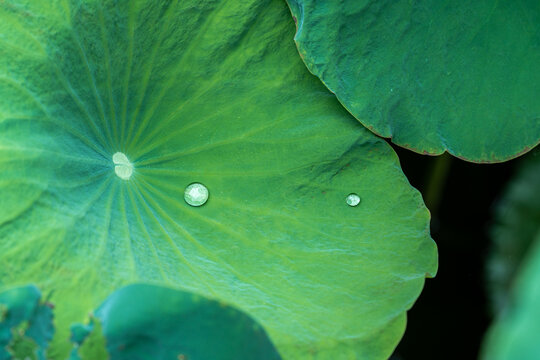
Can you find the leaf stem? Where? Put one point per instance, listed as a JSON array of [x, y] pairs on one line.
[[436, 182]]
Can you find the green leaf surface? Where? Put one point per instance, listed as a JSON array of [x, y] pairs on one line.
[[26, 324], [515, 335], [91, 344], [458, 76], [152, 322], [210, 92]]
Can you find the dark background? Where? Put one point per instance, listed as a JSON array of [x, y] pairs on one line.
[[450, 317]]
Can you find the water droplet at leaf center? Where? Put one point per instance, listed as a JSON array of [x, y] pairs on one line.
[[122, 166]]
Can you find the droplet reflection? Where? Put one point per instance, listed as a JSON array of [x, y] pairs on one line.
[[352, 199], [196, 194], [122, 166]]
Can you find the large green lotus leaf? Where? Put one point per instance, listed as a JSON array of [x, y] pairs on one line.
[[152, 322], [211, 92], [516, 334], [460, 76]]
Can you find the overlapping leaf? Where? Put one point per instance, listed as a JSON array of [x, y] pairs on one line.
[[151, 322], [210, 92], [460, 76], [26, 326]]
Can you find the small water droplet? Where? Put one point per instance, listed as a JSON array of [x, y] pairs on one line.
[[353, 199], [196, 194], [122, 166]]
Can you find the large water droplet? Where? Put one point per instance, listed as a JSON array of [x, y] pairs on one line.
[[196, 194], [122, 166], [352, 199]]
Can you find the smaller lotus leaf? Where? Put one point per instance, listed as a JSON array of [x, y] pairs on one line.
[[26, 323], [152, 322]]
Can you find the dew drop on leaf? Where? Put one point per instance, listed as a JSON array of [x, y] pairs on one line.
[[123, 167], [196, 194], [352, 199]]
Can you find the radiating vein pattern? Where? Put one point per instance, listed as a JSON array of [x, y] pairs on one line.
[[110, 109]]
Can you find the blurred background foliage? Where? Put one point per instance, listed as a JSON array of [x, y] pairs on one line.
[[484, 220]]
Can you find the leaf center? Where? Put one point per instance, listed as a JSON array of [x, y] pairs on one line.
[[122, 166]]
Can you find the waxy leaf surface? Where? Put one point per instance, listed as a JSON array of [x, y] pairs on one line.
[[152, 322], [210, 92], [458, 76]]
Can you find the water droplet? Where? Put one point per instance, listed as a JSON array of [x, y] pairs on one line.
[[122, 166], [353, 199], [196, 194]]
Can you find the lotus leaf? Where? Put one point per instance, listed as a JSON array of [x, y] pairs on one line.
[[151, 322], [458, 76], [110, 109]]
